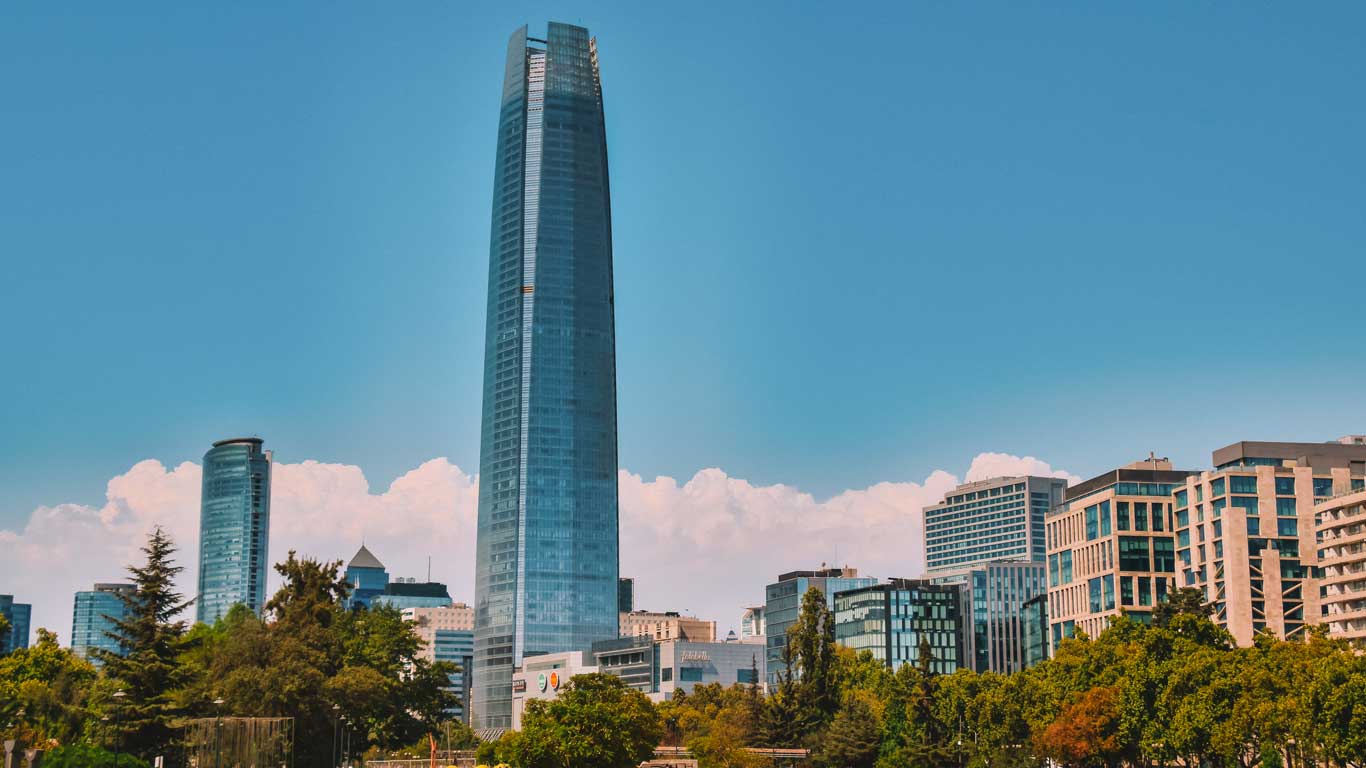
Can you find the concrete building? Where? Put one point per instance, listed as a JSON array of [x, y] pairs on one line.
[[19, 616], [783, 604], [669, 625], [542, 677], [93, 614], [427, 621], [367, 577], [1246, 531], [1342, 557], [890, 620], [234, 528], [447, 634], [989, 520], [1110, 547]]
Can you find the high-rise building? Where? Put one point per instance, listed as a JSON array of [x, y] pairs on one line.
[[93, 615], [366, 576], [1111, 546], [988, 536], [18, 615], [890, 620], [783, 604], [997, 519], [1342, 556], [447, 634], [670, 625], [1245, 532], [234, 528], [546, 564], [626, 595]]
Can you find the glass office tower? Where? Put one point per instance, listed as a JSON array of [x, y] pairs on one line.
[[18, 615], [234, 528], [94, 614], [546, 553]]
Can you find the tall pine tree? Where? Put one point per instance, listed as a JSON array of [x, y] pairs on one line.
[[149, 670]]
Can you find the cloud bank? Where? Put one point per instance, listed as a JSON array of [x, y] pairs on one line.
[[707, 545]]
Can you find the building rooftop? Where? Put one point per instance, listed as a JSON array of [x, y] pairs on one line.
[[365, 559], [239, 441], [1345, 452], [838, 573]]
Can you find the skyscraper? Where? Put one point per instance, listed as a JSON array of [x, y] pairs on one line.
[[234, 527], [93, 614], [546, 555], [18, 615]]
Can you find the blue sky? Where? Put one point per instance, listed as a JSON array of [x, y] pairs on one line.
[[853, 243]]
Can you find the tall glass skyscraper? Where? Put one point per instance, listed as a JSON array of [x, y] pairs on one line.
[[234, 527], [546, 556], [93, 614]]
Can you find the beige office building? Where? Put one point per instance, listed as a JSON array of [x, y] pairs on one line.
[[426, 622], [1246, 533], [1342, 556], [667, 626], [1111, 548]]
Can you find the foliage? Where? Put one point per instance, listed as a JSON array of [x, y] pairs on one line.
[[596, 720], [87, 756], [50, 684]]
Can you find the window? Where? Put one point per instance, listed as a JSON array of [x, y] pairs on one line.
[[1108, 588], [1285, 507], [1184, 538], [1105, 518], [1285, 486], [1182, 499], [690, 674], [1164, 560], [1093, 595], [1242, 484], [1287, 526], [746, 676], [1122, 515], [1065, 566], [1053, 571], [1160, 512], [1323, 487], [1092, 522], [1248, 503], [1183, 518], [1126, 590], [666, 675], [1216, 487], [1133, 553], [1145, 591], [1141, 516], [1254, 527]]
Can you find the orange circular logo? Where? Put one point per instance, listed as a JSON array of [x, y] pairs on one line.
[[555, 680]]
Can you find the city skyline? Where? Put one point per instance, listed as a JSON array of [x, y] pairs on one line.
[[759, 360]]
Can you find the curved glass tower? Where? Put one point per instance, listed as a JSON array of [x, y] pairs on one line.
[[234, 528], [546, 559]]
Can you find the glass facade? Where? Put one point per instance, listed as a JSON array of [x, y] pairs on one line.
[[1035, 618], [889, 621], [366, 576], [234, 528], [997, 519], [94, 614], [784, 603], [19, 615], [547, 551], [996, 594], [457, 647]]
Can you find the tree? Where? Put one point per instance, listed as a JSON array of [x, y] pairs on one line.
[[50, 684], [596, 720], [853, 738], [1187, 601], [1086, 732], [149, 670]]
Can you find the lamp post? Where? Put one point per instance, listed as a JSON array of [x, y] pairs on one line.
[[336, 715], [105, 728], [218, 732], [118, 730]]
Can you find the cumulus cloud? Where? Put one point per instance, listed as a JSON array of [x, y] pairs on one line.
[[707, 545]]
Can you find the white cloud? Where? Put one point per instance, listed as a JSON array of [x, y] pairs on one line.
[[707, 546]]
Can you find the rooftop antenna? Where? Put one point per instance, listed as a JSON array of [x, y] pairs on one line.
[[429, 569]]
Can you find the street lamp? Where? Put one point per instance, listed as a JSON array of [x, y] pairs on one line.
[[118, 731], [105, 728], [218, 732], [336, 717]]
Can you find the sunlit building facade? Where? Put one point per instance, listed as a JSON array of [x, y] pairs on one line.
[[93, 615], [546, 564], [1342, 557], [234, 528], [784, 604], [19, 615], [890, 621]]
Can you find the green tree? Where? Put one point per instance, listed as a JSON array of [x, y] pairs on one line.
[[853, 738], [1186, 601], [149, 670], [50, 684], [596, 720]]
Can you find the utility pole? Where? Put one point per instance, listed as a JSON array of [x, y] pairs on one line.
[[218, 732]]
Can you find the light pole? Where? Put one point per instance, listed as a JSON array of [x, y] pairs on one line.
[[218, 732], [118, 730], [105, 728], [336, 716]]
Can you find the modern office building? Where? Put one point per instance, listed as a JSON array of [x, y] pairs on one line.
[[994, 614], [890, 620], [1035, 615], [234, 528], [1342, 557], [366, 576], [669, 625], [752, 625], [1111, 547], [19, 616], [626, 595], [663, 668], [94, 615], [546, 564], [447, 634], [411, 593], [783, 604], [989, 520], [1246, 531]]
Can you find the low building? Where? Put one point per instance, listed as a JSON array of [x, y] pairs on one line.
[[18, 615], [542, 677], [669, 625], [890, 621], [411, 593], [663, 668], [93, 615], [1342, 557], [783, 604]]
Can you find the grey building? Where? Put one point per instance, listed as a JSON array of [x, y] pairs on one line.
[[546, 554], [234, 528]]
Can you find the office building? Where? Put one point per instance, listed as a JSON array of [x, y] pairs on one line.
[[752, 626], [783, 604], [95, 614], [1342, 558], [994, 618], [1034, 616], [447, 634], [366, 576], [667, 626], [663, 668], [19, 616], [626, 595], [546, 561], [234, 528], [1111, 546], [989, 520], [1246, 531], [541, 677], [890, 620], [411, 593]]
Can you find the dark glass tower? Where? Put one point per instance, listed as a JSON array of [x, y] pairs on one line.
[[546, 560], [234, 528]]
